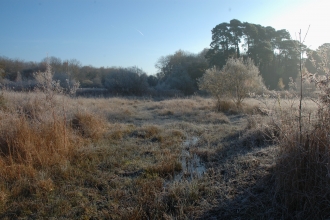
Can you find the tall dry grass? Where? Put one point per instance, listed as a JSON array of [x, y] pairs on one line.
[[38, 141], [36, 144], [303, 170]]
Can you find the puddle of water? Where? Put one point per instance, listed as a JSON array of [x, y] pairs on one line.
[[191, 142], [192, 165]]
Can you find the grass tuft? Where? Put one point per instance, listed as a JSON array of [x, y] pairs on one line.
[[168, 165], [35, 144], [88, 125]]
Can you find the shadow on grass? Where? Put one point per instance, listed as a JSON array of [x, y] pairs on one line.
[[254, 201], [246, 183]]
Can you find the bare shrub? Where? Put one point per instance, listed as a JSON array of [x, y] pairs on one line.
[[213, 83], [47, 84], [235, 80], [243, 77]]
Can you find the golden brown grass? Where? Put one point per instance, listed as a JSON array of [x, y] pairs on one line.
[[88, 125], [127, 158], [35, 144]]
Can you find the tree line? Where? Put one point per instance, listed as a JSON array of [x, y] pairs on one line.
[[177, 75], [273, 51]]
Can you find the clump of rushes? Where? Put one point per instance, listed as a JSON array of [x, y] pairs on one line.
[[88, 125], [36, 144]]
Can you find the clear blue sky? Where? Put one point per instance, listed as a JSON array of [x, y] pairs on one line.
[[138, 32]]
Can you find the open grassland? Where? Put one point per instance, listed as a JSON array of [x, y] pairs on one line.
[[127, 158]]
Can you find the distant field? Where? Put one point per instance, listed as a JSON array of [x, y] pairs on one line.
[[127, 158]]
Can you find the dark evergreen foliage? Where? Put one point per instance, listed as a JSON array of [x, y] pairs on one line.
[[273, 51]]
